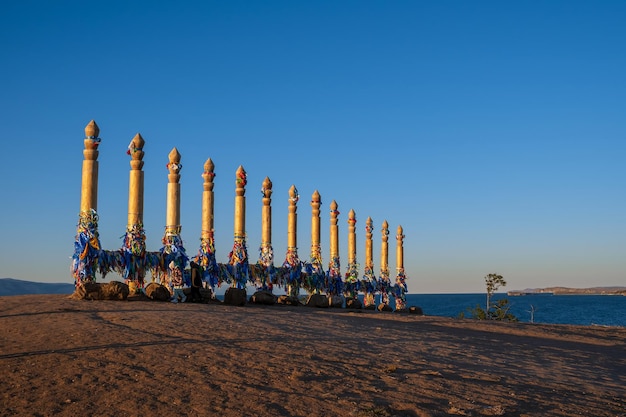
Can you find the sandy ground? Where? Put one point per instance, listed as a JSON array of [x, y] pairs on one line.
[[142, 358]]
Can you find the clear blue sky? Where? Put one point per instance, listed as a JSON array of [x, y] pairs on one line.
[[493, 132]]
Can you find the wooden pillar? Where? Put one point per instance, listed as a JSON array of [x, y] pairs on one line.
[[206, 255], [334, 285], [369, 257], [172, 221], [316, 202], [384, 265], [135, 239], [292, 261], [292, 224], [136, 181], [266, 258], [207, 200], [240, 203], [173, 250], [89, 184], [352, 274], [334, 230], [87, 243], [399, 249], [315, 270], [239, 255], [401, 288], [369, 279], [351, 237], [266, 218]]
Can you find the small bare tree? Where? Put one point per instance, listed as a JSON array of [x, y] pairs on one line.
[[493, 282], [532, 313], [495, 311]]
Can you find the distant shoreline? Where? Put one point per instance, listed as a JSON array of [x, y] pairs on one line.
[[570, 291]]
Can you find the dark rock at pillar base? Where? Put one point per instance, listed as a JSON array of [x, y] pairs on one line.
[[157, 292], [207, 294], [335, 301], [289, 301], [384, 307], [87, 291], [416, 310], [235, 296], [113, 290], [317, 300], [263, 297], [354, 303]]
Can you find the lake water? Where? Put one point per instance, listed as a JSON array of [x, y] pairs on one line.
[[603, 310]]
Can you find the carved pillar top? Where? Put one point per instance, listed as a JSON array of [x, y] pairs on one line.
[[316, 201], [385, 231], [292, 223], [208, 175], [174, 166], [399, 250], [333, 212], [293, 198], [240, 181], [135, 150], [91, 141], [399, 235], [267, 191], [369, 228], [351, 237], [92, 130], [351, 218]]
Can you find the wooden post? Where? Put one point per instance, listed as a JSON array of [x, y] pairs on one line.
[[136, 181], [206, 254], [352, 273], [384, 265], [315, 272], [334, 230], [334, 284], [135, 238], [175, 256], [240, 203], [172, 222], [266, 257], [369, 284], [87, 243], [89, 185], [292, 261], [238, 258], [207, 200], [401, 288]]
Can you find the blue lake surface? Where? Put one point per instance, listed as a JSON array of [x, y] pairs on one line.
[[603, 310]]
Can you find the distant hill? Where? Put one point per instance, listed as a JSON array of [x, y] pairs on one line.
[[572, 291], [10, 286]]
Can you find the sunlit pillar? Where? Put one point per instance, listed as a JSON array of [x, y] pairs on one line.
[[238, 258], [369, 279], [315, 271], [266, 252], [135, 239], [352, 273], [89, 184], [400, 287], [173, 250], [87, 243], [206, 253], [292, 261], [333, 277], [385, 285]]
